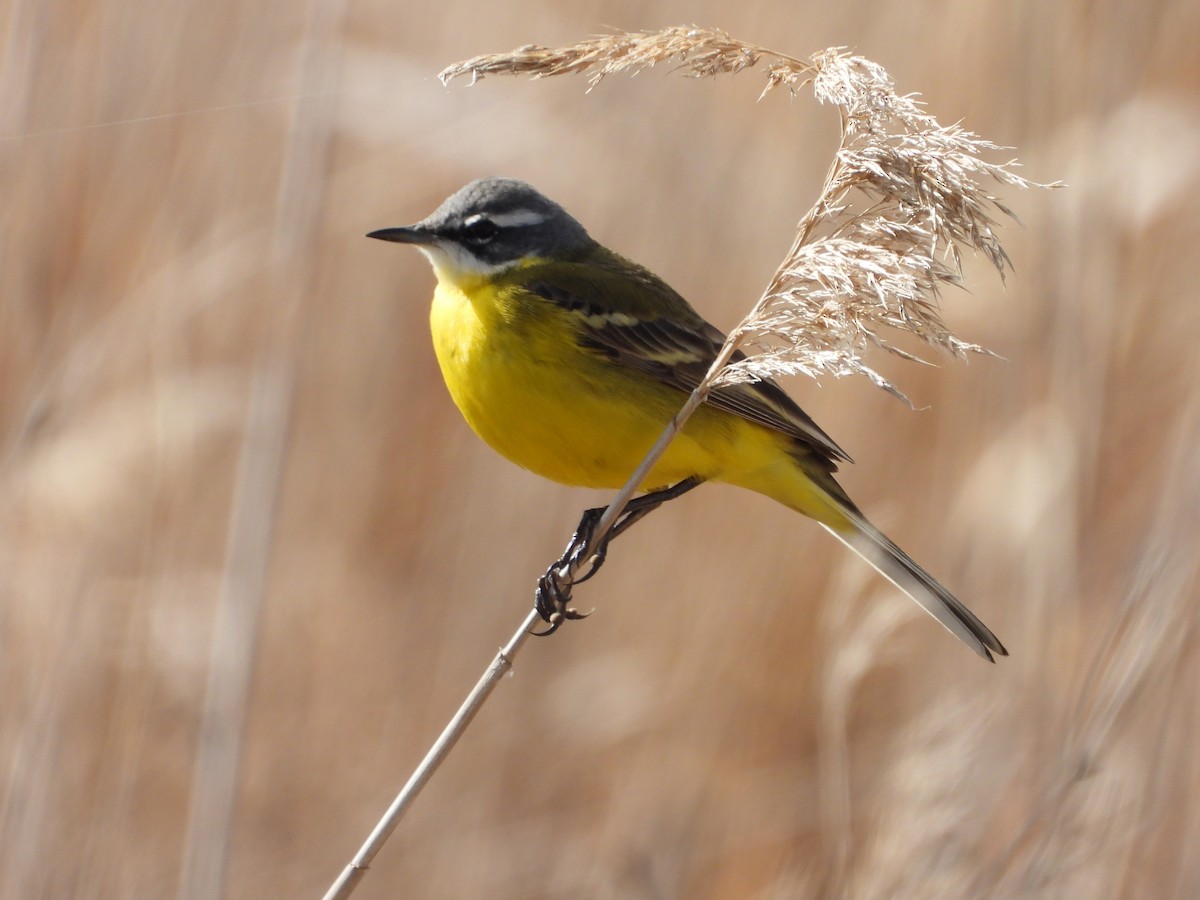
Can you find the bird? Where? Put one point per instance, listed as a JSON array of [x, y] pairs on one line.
[[569, 360]]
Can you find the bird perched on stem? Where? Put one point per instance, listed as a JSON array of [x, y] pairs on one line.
[[569, 360]]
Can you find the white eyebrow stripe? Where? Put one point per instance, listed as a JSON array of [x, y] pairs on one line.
[[517, 218]]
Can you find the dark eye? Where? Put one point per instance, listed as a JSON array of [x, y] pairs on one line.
[[479, 230]]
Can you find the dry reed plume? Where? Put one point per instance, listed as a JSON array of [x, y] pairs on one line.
[[903, 196]]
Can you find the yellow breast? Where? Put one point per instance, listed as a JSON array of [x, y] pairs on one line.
[[514, 368]]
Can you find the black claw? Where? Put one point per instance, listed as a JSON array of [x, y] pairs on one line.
[[594, 563], [555, 621]]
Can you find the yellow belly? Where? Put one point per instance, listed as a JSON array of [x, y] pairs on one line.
[[567, 414], [551, 407]]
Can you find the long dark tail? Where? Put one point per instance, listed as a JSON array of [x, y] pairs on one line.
[[807, 486], [902, 570]]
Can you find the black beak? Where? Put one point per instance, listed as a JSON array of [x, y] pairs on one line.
[[410, 234]]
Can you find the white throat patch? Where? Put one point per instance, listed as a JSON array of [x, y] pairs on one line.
[[456, 265]]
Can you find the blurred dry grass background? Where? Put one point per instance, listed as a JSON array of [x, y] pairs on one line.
[[210, 378]]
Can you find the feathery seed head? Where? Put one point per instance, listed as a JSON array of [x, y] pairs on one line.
[[904, 197]]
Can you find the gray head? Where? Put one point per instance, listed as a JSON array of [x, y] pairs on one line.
[[488, 226]]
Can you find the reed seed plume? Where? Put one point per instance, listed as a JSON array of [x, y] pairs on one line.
[[904, 196], [696, 51]]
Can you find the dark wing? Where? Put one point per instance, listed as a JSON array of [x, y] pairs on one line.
[[678, 352]]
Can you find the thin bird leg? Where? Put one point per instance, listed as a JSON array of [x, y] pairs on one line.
[[634, 510], [554, 590]]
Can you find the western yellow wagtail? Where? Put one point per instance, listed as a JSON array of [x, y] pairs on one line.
[[570, 360]]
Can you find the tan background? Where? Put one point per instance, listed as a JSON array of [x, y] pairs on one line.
[[750, 712]]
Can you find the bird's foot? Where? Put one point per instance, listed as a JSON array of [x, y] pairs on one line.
[[553, 592], [553, 595]]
